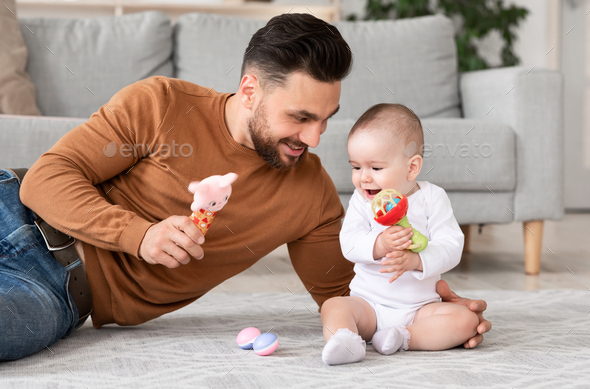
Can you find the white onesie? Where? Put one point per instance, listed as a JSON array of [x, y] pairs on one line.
[[396, 303]]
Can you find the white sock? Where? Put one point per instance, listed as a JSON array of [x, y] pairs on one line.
[[344, 347], [391, 339]]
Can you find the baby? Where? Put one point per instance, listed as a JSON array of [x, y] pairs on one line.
[[399, 311]]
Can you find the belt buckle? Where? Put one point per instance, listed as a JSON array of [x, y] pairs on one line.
[[51, 247]]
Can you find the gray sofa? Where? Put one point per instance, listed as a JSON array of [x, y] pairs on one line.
[[493, 138]]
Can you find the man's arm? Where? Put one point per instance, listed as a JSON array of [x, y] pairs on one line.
[[59, 187], [317, 257]]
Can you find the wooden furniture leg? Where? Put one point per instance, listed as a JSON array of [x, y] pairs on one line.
[[533, 243], [465, 264], [466, 229]]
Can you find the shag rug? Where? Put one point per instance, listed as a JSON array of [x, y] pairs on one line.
[[540, 339]]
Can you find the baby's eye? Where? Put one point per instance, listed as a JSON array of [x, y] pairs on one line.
[[377, 169], [225, 198], [212, 203], [355, 168]]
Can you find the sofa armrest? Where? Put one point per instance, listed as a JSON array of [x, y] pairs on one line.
[[529, 101]]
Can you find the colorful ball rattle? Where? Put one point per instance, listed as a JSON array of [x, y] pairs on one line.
[[390, 208]]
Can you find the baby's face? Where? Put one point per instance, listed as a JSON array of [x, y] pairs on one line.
[[376, 165]]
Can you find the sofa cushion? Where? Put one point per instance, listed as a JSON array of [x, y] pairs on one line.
[[77, 65], [333, 154], [17, 92], [414, 59], [471, 155], [23, 139], [209, 48], [409, 61], [460, 155]]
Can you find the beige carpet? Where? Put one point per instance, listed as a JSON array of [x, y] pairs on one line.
[[540, 339]]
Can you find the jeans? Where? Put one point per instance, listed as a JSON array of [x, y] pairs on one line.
[[36, 307]]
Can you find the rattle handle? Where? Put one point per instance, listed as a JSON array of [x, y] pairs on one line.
[[419, 241]]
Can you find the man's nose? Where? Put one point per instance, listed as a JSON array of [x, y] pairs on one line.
[[311, 135]]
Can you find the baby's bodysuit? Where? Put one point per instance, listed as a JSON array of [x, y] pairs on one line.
[[429, 212]]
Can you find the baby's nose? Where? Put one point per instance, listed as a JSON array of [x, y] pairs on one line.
[[366, 177]]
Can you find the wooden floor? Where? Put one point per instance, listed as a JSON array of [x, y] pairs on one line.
[[496, 261]]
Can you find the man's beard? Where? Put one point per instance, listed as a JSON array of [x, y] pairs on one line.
[[266, 147]]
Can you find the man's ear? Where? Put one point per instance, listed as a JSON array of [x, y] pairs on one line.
[[248, 90], [414, 166]]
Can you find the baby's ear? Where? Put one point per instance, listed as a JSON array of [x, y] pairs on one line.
[[414, 166]]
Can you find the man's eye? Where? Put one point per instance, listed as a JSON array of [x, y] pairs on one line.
[[300, 119]]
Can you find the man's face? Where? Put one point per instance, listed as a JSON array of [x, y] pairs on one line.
[[289, 119]]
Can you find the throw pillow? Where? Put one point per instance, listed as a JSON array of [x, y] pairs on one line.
[[17, 92]]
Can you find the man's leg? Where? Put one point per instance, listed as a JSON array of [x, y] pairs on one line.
[[36, 308], [32, 316]]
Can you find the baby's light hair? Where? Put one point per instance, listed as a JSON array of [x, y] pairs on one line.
[[396, 120]]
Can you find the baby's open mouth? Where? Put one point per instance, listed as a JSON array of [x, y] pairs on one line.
[[372, 192]]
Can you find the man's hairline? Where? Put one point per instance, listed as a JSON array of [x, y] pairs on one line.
[[268, 92]]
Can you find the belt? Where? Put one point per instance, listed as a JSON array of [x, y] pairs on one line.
[[62, 248]]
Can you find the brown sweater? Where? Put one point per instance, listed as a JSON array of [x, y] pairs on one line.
[[109, 201]]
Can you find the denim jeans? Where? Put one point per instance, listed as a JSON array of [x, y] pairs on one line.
[[36, 307]]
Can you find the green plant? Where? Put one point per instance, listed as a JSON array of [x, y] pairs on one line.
[[476, 18]]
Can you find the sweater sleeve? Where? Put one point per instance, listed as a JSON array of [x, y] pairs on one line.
[[446, 239], [357, 237], [316, 256], [60, 186]]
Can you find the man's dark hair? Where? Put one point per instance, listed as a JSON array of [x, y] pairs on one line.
[[297, 43]]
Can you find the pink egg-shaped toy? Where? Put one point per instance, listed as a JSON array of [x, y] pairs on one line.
[[246, 337], [266, 344]]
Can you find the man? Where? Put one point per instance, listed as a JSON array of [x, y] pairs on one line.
[[129, 209]]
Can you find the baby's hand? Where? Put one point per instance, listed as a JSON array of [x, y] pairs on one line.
[[396, 238], [401, 262]]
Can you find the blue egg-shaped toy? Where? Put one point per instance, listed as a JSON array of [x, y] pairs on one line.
[[266, 344], [246, 337]]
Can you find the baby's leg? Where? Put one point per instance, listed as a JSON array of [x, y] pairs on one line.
[[440, 326], [350, 312], [343, 319]]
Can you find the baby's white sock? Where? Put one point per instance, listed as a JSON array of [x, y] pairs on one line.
[[391, 339], [344, 347]]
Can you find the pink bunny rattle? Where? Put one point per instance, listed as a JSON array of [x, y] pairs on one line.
[[211, 195]]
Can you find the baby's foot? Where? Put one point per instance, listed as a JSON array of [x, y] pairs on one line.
[[344, 347], [391, 339]]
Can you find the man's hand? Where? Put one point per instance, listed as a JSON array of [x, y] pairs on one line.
[[171, 242], [401, 262], [477, 306]]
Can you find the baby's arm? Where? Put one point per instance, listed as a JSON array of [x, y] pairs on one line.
[[357, 237], [445, 238], [444, 248]]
